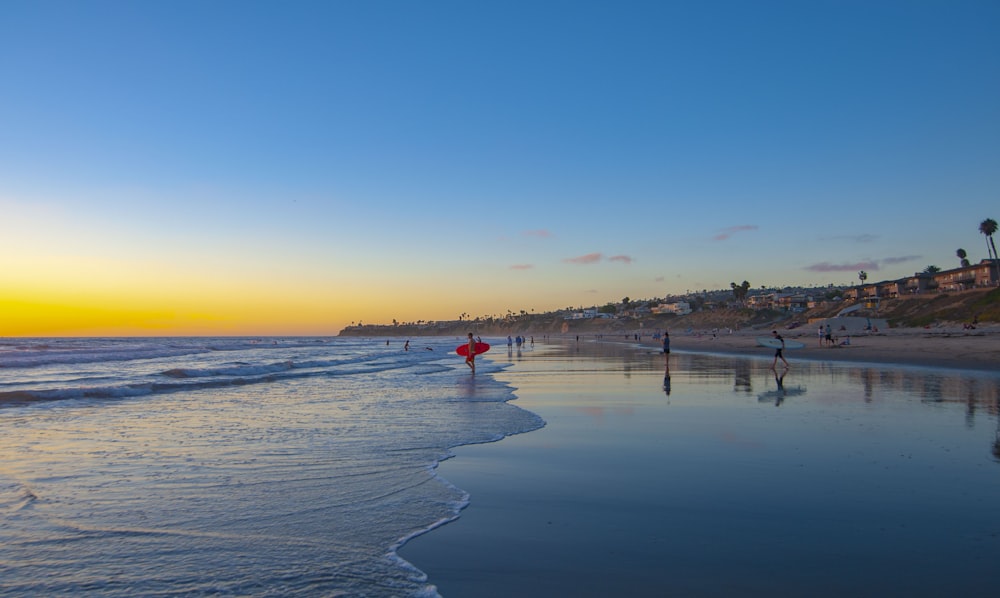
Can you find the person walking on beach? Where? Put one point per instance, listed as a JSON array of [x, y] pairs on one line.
[[777, 351], [470, 360], [821, 335]]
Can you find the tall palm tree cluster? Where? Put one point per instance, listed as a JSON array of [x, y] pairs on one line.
[[740, 291]]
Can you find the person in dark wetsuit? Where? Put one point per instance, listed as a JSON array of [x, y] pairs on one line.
[[777, 352], [666, 349]]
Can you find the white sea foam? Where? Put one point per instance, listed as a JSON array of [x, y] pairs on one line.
[[194, 466]]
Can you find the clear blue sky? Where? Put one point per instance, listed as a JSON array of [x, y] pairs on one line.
[[291, 167]]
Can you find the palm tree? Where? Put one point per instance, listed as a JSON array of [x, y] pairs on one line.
[[740, 291], [962, 256], [862, 276], [932, 269], [988, 227]]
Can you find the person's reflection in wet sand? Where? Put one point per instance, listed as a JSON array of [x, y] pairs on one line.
[[780, 380]]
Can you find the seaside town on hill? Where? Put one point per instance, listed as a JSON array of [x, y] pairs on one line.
[[967, 296]]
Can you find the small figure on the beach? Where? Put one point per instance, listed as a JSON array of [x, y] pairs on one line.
[[406, 346], [821, 334], [777, 352], [470, 360], [829, 336], [666, 350]]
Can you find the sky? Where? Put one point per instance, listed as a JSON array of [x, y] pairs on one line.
[[290, 168]]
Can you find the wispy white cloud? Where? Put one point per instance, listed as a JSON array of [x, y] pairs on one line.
[[625, 259], [522, 266], [732, 230]]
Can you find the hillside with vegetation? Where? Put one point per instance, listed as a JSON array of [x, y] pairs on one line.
[[932, 309]]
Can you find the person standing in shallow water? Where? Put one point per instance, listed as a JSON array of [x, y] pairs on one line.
[[470, 360], [666, 350], [777, 352]]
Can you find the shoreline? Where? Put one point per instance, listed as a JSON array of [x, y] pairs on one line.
[[941, 347], [976, 350]]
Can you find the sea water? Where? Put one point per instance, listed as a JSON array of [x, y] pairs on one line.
[[232, 466]]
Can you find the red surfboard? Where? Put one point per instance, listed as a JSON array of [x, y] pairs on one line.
[[463, 350]]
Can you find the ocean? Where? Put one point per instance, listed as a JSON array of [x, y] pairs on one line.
[[233, 466]]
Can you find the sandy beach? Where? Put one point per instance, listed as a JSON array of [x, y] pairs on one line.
[[849, 477], [950, 347]]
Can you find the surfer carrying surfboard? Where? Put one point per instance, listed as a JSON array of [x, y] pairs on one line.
[[470, 359], [778, 350]]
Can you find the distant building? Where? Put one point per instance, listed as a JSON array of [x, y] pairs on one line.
[[791, 301], [761, 301], [983, 274], [918, 283], [678, 308]]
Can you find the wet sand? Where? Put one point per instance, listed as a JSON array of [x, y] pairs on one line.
[[977, 349], [855, 484]]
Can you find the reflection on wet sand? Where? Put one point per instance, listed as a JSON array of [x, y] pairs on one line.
[[829, 382]]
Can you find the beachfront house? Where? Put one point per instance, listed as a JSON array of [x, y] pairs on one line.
[[918, 283], [791, 301], [761, 301], [869, 291], [983, 274], [677, 308], [956, 279], [891, 289]]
